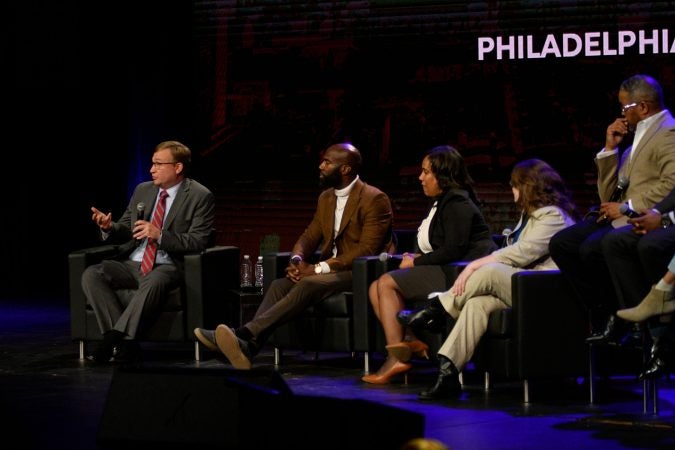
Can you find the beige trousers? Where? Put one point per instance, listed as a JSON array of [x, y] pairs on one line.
[[487, 289]]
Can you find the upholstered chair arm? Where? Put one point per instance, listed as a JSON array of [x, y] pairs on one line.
[[79, 260], [549, 326], [208, 277]]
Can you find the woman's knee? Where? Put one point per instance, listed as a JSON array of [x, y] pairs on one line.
[[386, 283]]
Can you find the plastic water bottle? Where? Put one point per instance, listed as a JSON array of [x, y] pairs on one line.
[[246, 273], [259, 274]]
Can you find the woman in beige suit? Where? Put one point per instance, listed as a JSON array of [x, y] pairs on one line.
[[485, 284]]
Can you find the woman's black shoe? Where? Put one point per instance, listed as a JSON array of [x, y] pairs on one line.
[[447, 385], [656, 367], [612, 333], [432, 317], [660, 361]]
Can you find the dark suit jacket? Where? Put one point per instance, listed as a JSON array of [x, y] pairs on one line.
[[365, 229], [188, 226], [457, 232], [650, 171], [667, 204]]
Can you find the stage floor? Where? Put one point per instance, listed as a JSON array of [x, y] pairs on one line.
[[51, 400]]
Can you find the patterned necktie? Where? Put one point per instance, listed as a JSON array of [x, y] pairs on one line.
[[151, 247]]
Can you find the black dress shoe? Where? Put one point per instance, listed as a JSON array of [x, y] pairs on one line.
[[447, 385], [612, 333], [127, 352], [102, 354], [104, 351], [432, 317]]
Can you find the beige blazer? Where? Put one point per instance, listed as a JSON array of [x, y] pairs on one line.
[[530, 251], [650, 171]]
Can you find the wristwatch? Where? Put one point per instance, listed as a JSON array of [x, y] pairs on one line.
[[665, 221], [318, 269]]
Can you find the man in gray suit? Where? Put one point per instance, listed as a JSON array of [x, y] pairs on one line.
[[636, 179], [150, 260]]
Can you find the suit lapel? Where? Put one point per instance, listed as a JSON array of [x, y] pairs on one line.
[[149, 198], [649, 134], [351, 206], [177, 205], [330, 212]]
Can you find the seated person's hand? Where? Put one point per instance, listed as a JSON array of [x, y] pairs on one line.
[[648, 221], [296, 272]]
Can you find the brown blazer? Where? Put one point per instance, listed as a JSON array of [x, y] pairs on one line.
[[650, 171], [366, 227]]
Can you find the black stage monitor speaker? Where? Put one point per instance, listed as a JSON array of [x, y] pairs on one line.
[[152, 408]]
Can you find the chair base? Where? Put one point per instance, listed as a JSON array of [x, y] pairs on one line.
[[278, 354], [487, 386], [649, 387]]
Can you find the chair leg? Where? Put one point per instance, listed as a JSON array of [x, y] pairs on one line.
[[486, 381], [366, 363], [277, 356], [81, 349], [648, 386], [526, 391], [591, 373], [197, 354], [650, 389]]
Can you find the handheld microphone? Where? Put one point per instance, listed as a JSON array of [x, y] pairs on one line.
[[140, 211], [621, 186], [384, 256], [626, 211]]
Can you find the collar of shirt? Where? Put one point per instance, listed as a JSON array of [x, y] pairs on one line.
[[344, 192], [642, 126]]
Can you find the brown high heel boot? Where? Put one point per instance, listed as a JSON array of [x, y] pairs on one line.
[[385, 374], [404, 351]]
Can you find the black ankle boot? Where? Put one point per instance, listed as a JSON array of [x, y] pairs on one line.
[[431, 317], [612, 333], [447, 385], [660, 361]]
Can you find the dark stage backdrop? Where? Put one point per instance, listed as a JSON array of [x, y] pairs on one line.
[[259, 88], [500, 80]]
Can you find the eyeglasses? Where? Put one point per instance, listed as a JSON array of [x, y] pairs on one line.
[[157, 165], [627, 107]]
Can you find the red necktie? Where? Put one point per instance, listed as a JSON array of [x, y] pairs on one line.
[[151, 247]]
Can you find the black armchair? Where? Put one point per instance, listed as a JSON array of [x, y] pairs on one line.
[[199, 302], [336, 324], [541, 336]]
